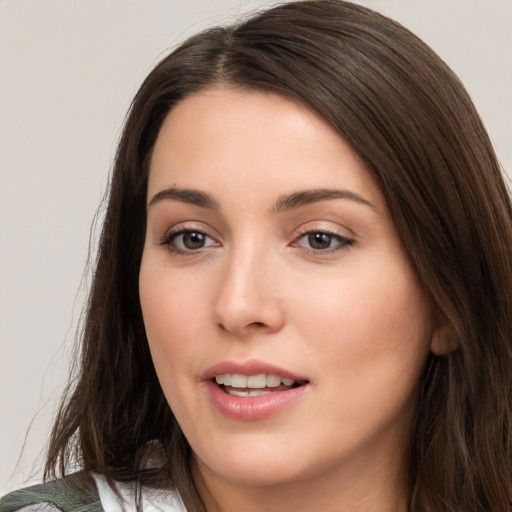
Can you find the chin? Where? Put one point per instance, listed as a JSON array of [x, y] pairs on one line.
[[254, 474], [257, 465]]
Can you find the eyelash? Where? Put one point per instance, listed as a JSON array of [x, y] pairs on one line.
[[343, 243], [171, 236]]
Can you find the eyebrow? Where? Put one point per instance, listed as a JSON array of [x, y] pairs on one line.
[[307, 197], [188, 196], [284, 203]]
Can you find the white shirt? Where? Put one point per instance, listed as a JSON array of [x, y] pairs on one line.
[[153, 500]]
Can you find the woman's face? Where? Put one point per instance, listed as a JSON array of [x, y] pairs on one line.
[[271, 265]]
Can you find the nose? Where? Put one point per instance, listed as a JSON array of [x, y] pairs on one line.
[[248, 300]]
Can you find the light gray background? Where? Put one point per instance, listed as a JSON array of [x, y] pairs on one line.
[[68, 70]]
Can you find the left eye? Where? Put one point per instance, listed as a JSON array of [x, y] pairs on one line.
[[320, 240], [190, 240]]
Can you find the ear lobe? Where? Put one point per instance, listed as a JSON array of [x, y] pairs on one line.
[[444, 340]]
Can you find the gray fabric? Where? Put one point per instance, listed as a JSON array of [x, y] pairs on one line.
[[65, 495]]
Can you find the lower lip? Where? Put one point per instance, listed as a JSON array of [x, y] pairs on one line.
[[252, 408]]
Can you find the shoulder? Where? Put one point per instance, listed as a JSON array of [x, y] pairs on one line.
[[71, 495], [67, 495]]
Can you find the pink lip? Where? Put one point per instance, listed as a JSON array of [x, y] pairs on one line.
[[255, 407]]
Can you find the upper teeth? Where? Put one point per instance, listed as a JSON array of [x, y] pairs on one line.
[[262, 380]]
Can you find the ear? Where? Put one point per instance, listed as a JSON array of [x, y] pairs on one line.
[[444, 340]]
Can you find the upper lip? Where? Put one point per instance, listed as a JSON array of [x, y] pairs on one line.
[[250, 367]]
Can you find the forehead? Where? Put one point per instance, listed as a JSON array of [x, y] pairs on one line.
[[248, 139]]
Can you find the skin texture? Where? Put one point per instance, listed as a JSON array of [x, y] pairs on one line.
[[350, 318]]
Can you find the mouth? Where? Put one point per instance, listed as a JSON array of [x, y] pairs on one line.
[[253, 390], [237, 384]]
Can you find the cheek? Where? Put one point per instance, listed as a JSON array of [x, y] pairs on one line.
[[172, 330], [372, 324], [171, 320], [371, 343]]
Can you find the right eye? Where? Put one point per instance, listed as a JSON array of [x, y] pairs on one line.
[[188, 240]]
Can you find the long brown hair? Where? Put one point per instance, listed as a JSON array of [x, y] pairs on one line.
[[412, 123]]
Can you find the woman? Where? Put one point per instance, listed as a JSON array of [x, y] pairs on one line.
[[302, 293]]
